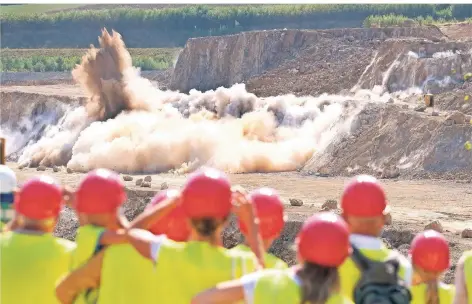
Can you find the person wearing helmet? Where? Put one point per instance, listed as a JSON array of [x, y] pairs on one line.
[[185, 267], [133, 281], [463, 279], [7, 196], [429, 253], [32, 259], [322, 245], [364, 207], [172, 222], [97, 200], [270, 211]]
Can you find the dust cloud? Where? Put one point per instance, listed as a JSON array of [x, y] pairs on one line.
[[129, 125]]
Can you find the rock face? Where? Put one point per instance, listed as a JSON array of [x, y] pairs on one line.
[[417, 144], [210, 62]]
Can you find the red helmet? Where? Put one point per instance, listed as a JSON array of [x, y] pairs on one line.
[[430, 251], [39, 198], [324, 240], [270, 211], [174, 224], [101, 191], [207, 194], [364, 197]]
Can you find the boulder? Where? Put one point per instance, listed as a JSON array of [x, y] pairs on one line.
[[296, 202], [69, 170], [164, 186], [466, 233], [139, 181], [148, 178], [457, 117], [330, 204], [145, 184], [420, 108], [41, 168], [435, 225], [127, 178]]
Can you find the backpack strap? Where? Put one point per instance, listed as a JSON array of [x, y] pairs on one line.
[[359, 259]]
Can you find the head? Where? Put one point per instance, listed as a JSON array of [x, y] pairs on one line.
[[99, 198], [429, 254], [207, 202], [322, 246], [38, 204], [270, 211], [364, 206], [174, 224], [8, 189]]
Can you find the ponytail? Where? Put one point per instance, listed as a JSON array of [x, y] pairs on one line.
[[317, 282], [432, 296]]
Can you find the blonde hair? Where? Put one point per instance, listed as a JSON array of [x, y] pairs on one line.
[[431, 279]]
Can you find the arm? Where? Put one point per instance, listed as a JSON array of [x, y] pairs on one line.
[[460, 296], [113, 237], [149, 217], [227, 292], [244, 209], [146, 243], [81, 279]]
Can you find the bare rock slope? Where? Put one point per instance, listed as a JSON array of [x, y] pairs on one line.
[[210, 62]]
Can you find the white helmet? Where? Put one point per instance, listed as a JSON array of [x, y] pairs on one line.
[[7, 186], [7, 180]]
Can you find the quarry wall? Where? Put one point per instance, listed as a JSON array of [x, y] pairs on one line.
[[209, 62]]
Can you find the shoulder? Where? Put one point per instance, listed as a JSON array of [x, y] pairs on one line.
[[274, 262], [406, 269], [67, 245]]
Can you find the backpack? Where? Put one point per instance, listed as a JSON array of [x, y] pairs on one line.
[[379, 282]]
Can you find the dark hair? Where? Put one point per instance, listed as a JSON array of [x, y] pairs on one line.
[[317, 282], [207, 226]]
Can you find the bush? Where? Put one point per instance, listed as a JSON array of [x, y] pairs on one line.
[[11, 62]]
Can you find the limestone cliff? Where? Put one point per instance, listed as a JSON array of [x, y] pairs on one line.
[[210, 62]]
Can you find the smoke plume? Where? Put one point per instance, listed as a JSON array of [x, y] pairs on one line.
[[129, 125]]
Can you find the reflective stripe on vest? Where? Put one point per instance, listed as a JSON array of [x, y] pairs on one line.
[[31, 265]]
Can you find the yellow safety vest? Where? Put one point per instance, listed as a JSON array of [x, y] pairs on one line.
[[446, 293], [279, 286], [185, 269], [270, 260], [468, 275], [87, 239], [127, 277], [349, 274], [31, 265]]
